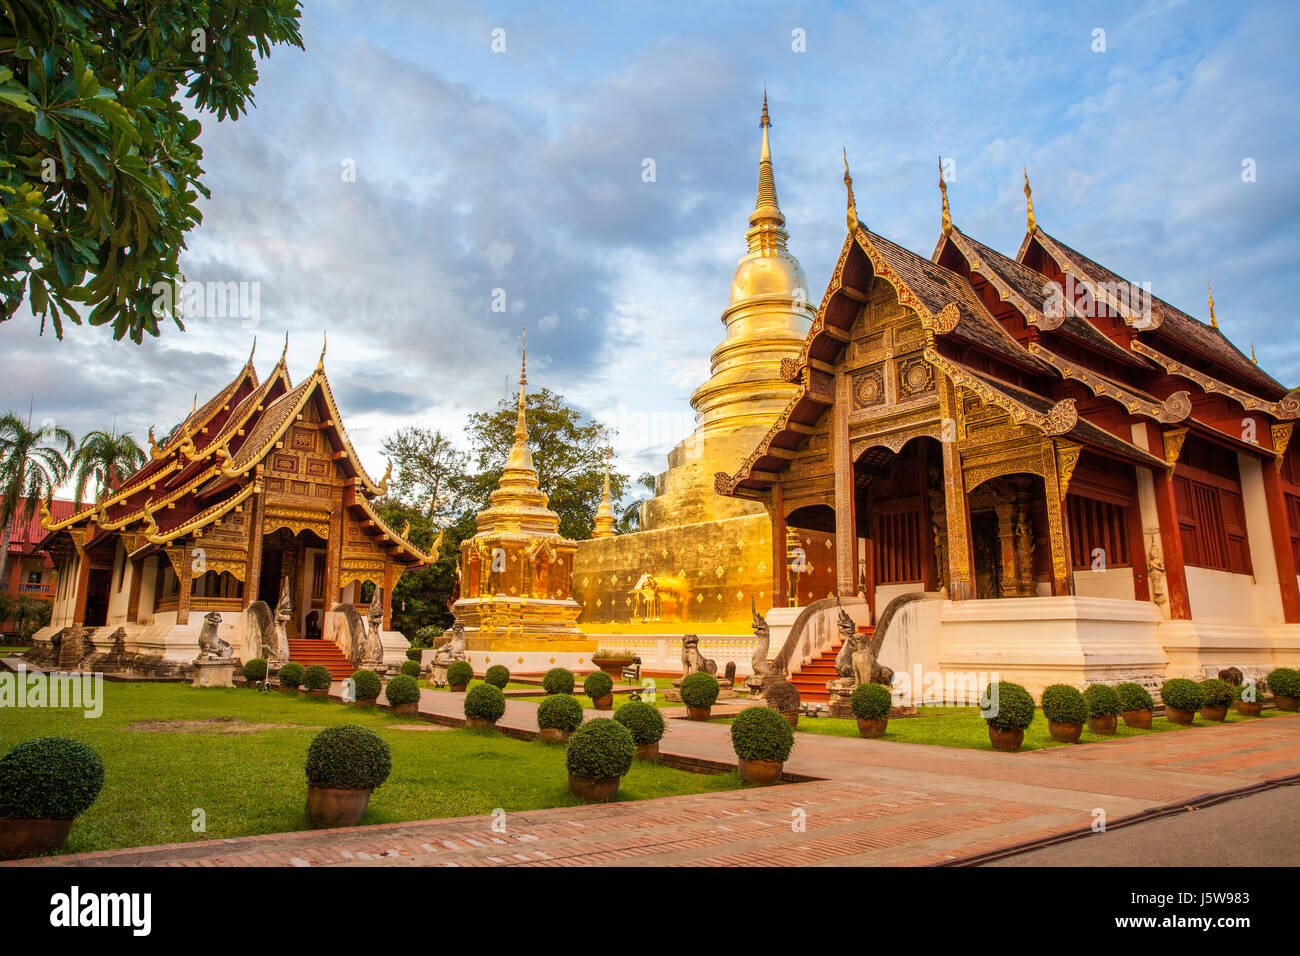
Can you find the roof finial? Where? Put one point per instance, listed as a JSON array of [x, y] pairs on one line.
[[252, 351], [521, 425], [1214, 322], [1030, 223], [320, 362], [767, 211], [943, 191], [765, 121], [1252, 353], [285, 351], [848, 184]]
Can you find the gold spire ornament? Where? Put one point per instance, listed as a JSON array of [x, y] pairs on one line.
[[1252, 354], [1214, 322], [320, 362], [943, 191], [603, 525], [852, 215], [1030, 223]]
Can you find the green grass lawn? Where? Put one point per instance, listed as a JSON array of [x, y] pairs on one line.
[[963, 727], [249, 783], [662, 684], [511, 685], [6, 651]]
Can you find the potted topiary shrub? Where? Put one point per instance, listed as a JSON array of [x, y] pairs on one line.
[[558, 680], [1218, 697], [600, 752], [1103, 709], [611, 661], [410, 669], [1246, 700], [558, 716], [484, 705], [291, 676], [316, 679], [459, 673], [699, 693], [783, 697], [1008, 710], [1066, 710], [45, 784], [646, 725], [1183, 698], [870, 704], [762, 740], [1284, 683], [1135, 705], [599, 686], [344, 765], [366, 686], [403, 693], [498, 675], [254, 672]]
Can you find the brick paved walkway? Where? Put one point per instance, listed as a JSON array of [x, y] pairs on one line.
[[871, 802]]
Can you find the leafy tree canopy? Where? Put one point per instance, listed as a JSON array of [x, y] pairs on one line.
[[99, 161]]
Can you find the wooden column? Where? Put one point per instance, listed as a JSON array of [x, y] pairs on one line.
[[184, 583], [253, 569], [1280, 530], [846, 527], [961, 584], [390, 578], [334, 551], [1171, 544], [1137, 556], [83, 588], [133, 595], [780, 571], [1055, 486]]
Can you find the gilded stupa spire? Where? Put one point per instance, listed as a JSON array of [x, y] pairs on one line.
[[1213, 321], [1030, 223], [943, 191], [603, 525], [766, 222], [521, 459]]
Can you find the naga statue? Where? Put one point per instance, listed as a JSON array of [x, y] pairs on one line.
[[692, 660], [211, 646], [454, 650], [373, 654], [280, 623], [857, 659], [760, 668]]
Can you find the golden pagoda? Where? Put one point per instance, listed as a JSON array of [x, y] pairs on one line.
[[518, 569], [603, 524]]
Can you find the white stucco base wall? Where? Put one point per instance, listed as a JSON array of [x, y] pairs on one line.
[[1236, 598], [1116, 583], [1200, 649]]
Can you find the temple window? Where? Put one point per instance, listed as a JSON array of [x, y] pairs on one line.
[[897, 539], [1097, 525], [1211, 516]]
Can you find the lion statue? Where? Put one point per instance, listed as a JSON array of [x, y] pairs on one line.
[[692, 660], [857, 658], [453, 650], [211, 646]]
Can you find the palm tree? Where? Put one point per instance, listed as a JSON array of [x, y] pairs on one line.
[[107, 457], [30, 614], [33, 463]]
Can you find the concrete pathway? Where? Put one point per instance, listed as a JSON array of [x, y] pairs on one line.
[[865, 802]]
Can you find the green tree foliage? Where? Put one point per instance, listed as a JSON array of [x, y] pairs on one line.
[[33, 463], [99, 159], [629, 519], [106, 458]]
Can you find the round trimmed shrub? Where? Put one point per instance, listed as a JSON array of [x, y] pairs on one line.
[[700, 690], [366, 684], [597, 684], [317, 677], [49, 777], [1182, 693], [255, 670], [1009, 706], [459, 672], [1064, 704], [349, 757], [486, 702], [783, 697], [871, 701], [1218, 693], [498, 675], [559, 712], [601, 748], [1284, 682], [1102, 700], [414, 654], [1134, 697], [410, 668], [760, 733], [403, 689], [558, 680], [643, 720], [291, 674]]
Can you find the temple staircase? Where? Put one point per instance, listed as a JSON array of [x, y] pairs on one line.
[[812, 677], [307, 652]]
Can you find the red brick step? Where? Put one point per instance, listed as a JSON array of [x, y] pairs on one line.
[[307, 652]]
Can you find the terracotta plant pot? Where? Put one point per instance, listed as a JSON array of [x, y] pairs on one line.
[[1286, 703], [1065, 733], [553, 735], [1006, 741], [603, 703], [368, 702], [1138, 719], [1177, 715], [27, 836], [1249, 708], [323, 692], [406, 710], [1106, 726], [760, 773], [698, 713], [792, 720], [480, 723], [1218, 714], [613, 666], [456, 688], [336, 807], [873, 728], [593, 790], [648, 752]]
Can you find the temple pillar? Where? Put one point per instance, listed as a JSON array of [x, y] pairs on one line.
[[334, 553], [184, 584], [780, 570], [387, 598], [253, 568], [1265, 498], [82, 589], [846, 529], [1058, 464], [961, 584], [133, 593]]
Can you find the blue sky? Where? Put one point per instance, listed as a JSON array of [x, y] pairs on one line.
[[521, 170]]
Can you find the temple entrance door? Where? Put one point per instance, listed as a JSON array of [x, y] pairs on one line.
[[988, 556], [1009, 536], [301, 559], [99, 583]]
